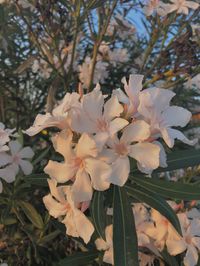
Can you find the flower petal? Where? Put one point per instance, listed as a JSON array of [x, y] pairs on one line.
[[56, 192], [175, 247], [62, 172], [136, 131], [5, 159], [191, 256], [170, 134], [26, 152], [55, 208], [116, 125], [120, 171], [147, 154], [112, 108], [176, 116], [84, 227], [99, 173], [86, 146], [62, 143], [26, 167], [93, 103], [14, 146], [45, 121], [82, 187]]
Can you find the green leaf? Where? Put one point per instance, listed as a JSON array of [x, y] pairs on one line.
[[156, 202], [41, 156], [98, 213], [167, 189], [124, 233], [49, 237], [181, 159], [79, 259], [37, 179], [31, 214]]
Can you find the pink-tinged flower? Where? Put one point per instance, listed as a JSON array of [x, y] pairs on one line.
[[154, 107], [106, 245], [155, 6], [80, 164], [146, 154], [162, 231], [4, 137], [131, 98], [17, 158], [146, 260], [60, 204], [98, 118], [10, 163], [60, 116], [190, 242], [141, 217], [180, 6]]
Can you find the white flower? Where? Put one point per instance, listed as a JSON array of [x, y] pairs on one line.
[[141, 217], [189, 242], [11, 163], [4, 137], [145, 153], [60, 203], [99, 118], [60, 116], [80, 164], [106, 245], [131, 98], [180, 6], [162, 231], [154, 107]]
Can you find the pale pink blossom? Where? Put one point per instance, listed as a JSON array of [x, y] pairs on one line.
[[155, 108], [60, 204], [98, 118], [146, 154], [80, 164], [11, 163], [131, 98], [190, 242], [180, 6], [60, 117]]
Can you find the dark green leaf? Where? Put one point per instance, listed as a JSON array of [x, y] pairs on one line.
[[156, 202], [31, 214], [98, 213], [37, 179], [124, 232], [49, 237], [167, 189], [181, 159], [79, 259], [41, 156]]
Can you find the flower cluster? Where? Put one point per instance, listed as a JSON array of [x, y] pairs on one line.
[[155, 232], [162, 9], [97, 136], [12, 156]]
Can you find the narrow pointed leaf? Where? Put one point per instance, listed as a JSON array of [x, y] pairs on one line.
[[31, 214], [181, 159], [167, 189], [124, 233], [98, 213], [79, 259], [156, 202]]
